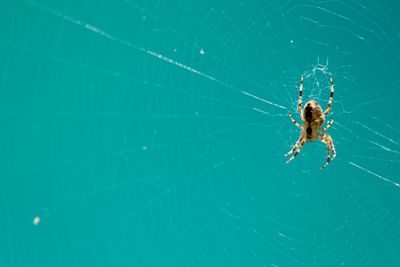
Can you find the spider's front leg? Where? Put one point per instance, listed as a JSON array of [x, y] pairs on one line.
[[299, 101], [330, 98]]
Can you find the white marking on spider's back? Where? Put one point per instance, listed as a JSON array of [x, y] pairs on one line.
[[374, 174]]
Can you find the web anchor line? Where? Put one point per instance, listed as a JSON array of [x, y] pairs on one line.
[[374, 174], [263, 100], [111, 37]]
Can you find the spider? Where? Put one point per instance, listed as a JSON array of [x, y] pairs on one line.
[[313, 118]]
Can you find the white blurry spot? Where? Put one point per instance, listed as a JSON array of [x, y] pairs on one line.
[[144, 147], [291, 41], [175, 50], [36, 220], [202, 51]]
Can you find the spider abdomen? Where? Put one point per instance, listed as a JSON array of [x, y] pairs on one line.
[[313, 118], [313, 115]]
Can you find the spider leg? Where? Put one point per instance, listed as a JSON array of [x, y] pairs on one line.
[[330, 98], [297, 150], [328, 125], [295, 146], [326, 139], [299, 101], [294, 121]]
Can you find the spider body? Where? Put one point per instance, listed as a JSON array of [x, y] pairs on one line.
[[313, 118]]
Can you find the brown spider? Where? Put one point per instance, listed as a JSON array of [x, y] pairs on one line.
[[313, 119]]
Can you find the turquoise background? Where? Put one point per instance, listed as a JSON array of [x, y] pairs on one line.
[[124, 127]]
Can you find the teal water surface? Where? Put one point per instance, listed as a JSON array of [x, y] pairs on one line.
[[153, 133]]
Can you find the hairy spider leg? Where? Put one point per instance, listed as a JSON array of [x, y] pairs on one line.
[[330, 98], [326, 139], [294, 121], [299, 101], [295, 145], [328, 125], [297, 150]]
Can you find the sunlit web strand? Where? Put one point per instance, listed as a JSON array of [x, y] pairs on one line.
[[384, 147], [141, 49], [377, 133], [263, 100], [374, 174], [261, 111]]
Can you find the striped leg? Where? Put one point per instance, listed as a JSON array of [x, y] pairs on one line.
[[330, 98], [326, 139], [328, 125], [295, 145], [294, 121], [296, 150], [299, 101]]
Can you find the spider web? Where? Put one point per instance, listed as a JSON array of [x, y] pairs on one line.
[[153, 133]]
